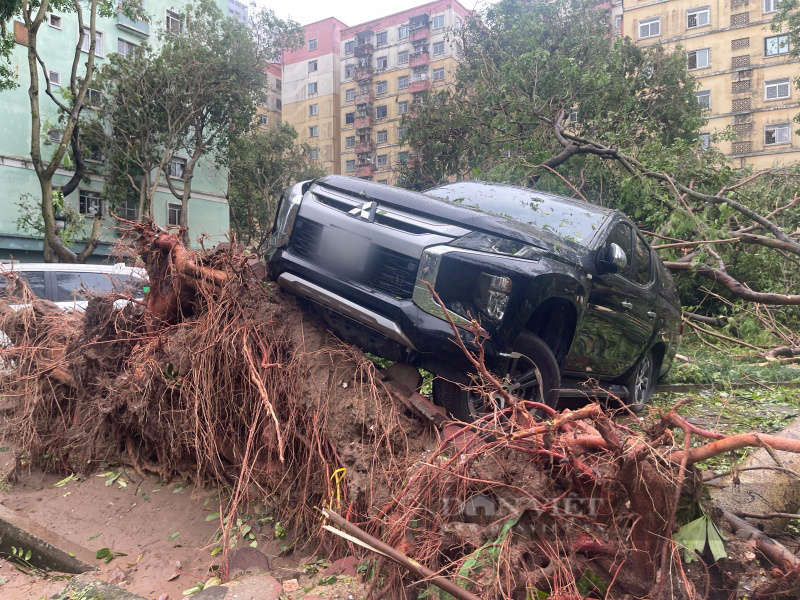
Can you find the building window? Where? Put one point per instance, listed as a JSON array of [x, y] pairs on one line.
[[704, 99], [438, 74], [698, 17], [350, 118], [278, 104], [55, 21], [402, 107], [350, 95], [617, 22], [124, 47], [127, 210], [98, 44], [95, 153], [381, 87], [382, 38], [771, 5], [94, 97], [312, 44], [402, 32], [312, 66], [263, 119], [382, 63], [402, 158], [313, 131], [173, 22], [349, 46], [381, 112], [438, 22], [174, 215], [54, 77], [176, 167], [382, 137], [350, 166], [402, 82], [649, 27], [349, 71], [350, 141], [312, 88], [438, 48], [313, 154], [90, 203], [699, 59], [54, 135], [705, 139], [778, 133], [420, 74], [383, 181], [313, 110], [401, 133], [402, 57], [776, 45], [383, 160], [777, 89], [278, 85]]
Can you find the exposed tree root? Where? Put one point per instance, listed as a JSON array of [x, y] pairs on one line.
[[223, 379]]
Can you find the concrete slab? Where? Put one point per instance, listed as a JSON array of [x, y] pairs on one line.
[[764, 490], [96, 590], [48, 550]]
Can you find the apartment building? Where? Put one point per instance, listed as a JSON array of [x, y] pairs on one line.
[[310, 91], [744, 70], [270, 106], [347, 90], [56, 44]]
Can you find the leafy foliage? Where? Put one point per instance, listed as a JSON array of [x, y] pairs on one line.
[[263, 164]]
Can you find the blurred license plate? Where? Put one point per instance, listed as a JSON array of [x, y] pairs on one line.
[[343, 249]]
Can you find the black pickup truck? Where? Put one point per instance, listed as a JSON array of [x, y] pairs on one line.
[[566, 291]]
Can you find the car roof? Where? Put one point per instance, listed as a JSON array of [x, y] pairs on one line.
[[120, 268]]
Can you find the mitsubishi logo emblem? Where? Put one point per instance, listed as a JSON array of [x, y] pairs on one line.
[[366, 212]]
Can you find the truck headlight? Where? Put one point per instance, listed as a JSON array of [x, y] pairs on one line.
[[491, 295], [484, 242], [285, 217]]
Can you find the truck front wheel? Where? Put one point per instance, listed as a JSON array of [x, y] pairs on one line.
[[531, 374]]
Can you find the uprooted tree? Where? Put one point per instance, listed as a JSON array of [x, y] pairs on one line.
[[543, 97], [270, 405]]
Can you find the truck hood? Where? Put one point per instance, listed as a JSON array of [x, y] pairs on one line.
[[416, 202]]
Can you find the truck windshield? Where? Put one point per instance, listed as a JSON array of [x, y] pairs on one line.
[[572, 220]]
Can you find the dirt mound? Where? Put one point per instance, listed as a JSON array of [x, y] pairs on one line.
[[221, 378]]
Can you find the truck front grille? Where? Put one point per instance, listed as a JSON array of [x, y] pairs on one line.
[[386, 271]]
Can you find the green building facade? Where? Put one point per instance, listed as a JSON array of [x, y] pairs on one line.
[[58, 36]]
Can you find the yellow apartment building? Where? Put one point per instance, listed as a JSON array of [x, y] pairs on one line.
[[347, 89], [744, 70], [269, 107]]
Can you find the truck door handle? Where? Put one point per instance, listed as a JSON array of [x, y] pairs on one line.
[[627, 305], [651, 314]]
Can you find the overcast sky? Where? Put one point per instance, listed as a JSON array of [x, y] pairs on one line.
[[351, 12]]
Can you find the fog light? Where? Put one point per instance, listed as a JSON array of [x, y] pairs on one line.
[[492, 295]]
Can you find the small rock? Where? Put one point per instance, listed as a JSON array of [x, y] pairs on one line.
[[750, 555], [174, 576], [347, 566], [163, 597], [290, 585], [247, 559]]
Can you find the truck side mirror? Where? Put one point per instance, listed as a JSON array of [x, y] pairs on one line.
[[613, 259]]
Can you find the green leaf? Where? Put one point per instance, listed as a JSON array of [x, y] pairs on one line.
[[254, 544], [28, 555], [174, 535], [212, 517], [245, 530], [715, 541], [64, 481], [692, 538]]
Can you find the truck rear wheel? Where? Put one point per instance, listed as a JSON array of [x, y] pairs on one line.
[[531, 374]]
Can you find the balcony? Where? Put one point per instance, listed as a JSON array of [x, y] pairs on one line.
[[137, 28], [420, 33], [365, 146], [363, 72], [364, 97], [419, 59], [364, 50], [364, 122], [364, 170], [419, 86]]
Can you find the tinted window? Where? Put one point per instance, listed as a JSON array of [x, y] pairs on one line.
[[621, 235], [35, 281], [574, 221], [641, 263], [81, 286]]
